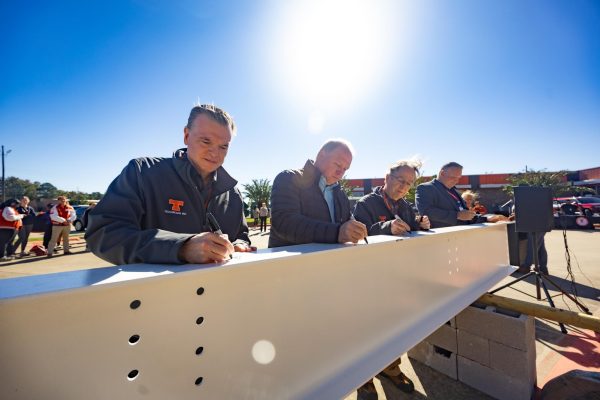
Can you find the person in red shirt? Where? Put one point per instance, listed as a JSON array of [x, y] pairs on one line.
[[479, 208], [61, 216], [472, 203], [10, 222]]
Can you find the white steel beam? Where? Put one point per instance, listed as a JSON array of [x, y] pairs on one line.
[[300, 322]]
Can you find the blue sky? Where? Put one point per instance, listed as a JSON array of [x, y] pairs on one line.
[[494, 85]]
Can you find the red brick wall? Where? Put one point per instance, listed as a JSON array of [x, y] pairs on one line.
[[592, 173]]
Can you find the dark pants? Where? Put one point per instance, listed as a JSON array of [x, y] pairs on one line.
[[47, 235], [541, 252], [23, 237], [263, 222], [6, 238]]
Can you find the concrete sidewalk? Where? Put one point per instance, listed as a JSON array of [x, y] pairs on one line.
[[556, 352]]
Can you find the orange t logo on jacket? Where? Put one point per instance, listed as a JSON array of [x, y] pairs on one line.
[[176, 204]]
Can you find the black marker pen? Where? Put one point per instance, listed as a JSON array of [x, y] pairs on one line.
[[214, 226]]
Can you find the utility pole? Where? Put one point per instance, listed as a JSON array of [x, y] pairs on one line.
[[3, 185]]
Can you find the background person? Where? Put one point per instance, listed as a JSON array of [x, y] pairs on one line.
[[479, 208], [472, 203], [155, 210], [440, 200], [61, 215], [28, 219], [10, 222], [48, 228], [308, 204], [378, 210], [386, 212], [469, 198], [263, 213], [256, 215], [541, 253]]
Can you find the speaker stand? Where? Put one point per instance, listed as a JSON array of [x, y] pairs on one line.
[[540, 279]]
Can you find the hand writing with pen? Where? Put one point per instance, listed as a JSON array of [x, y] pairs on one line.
[[352, 231], [424, 222], [399, 227], [210, 246]]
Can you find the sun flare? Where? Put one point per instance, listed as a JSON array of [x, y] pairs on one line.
[[331, 52]]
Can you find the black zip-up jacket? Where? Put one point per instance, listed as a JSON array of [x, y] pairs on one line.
[[155, 205], [29, 212], [372, 211], [433, 199], [299, 212]]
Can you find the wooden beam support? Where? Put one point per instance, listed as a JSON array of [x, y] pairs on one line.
[[541, 311]]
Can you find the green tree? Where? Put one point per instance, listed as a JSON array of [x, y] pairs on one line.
[[346, 186], [16, 188], [410, 196], [258, 191], [75, 197], [554, 180], [47, 191]]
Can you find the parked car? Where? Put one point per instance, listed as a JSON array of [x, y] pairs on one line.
[[39, 224], [78, 223], [587, 204]]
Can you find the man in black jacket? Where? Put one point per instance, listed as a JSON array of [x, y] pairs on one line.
[[308, 205], [155, 210], [25, 231], [385, 211], [440, 200]]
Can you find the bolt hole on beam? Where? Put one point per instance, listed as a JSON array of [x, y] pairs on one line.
[[199, 320], [200, 291], [133, 374], [199, 381], [199, 350], [134, 339], [135, 304]]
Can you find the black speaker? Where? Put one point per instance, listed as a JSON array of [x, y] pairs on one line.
[[533, 209]]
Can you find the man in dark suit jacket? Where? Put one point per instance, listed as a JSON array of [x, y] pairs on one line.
[[308, 205], [440, 200]]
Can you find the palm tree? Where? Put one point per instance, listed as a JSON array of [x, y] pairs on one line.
[[259, 191]]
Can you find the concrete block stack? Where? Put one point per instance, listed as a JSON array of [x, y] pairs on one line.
[[439, 349], [488, 349]]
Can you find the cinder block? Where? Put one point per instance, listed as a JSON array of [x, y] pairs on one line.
[[474, 317], [440, 359], [514, 362], [444, 337], [493, 382], [473, 347], [512, 329]]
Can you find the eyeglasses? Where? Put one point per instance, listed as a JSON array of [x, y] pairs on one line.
[[401, 181]]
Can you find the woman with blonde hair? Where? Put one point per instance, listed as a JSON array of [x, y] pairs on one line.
[[473, 204]]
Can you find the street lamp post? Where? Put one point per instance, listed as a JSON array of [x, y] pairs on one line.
[[3, 185]]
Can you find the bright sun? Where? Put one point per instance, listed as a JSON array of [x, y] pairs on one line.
[[331, 52]]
